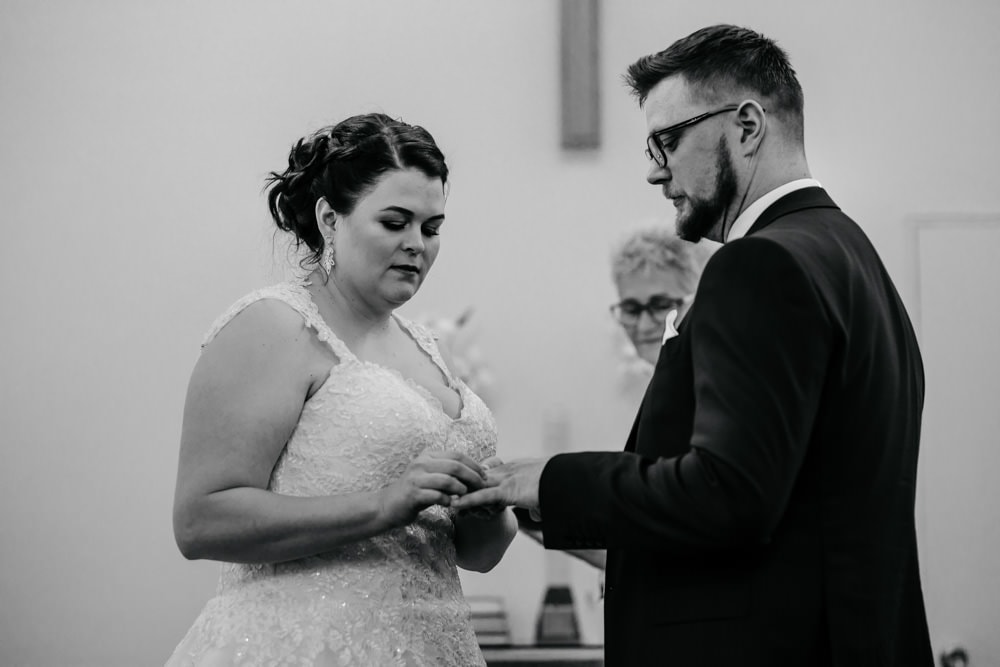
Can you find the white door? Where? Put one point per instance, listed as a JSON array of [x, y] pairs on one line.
[[957, 304]]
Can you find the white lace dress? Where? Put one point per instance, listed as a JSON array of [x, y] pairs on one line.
[[394, 599]]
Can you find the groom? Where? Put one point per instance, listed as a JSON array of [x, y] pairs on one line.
[[762, 511]]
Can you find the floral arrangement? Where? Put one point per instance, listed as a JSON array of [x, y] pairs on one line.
[[459, 338]]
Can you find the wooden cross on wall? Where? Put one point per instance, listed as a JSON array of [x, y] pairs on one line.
[[579, 63]]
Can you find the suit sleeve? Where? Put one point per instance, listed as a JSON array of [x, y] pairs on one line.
[[760, 344]]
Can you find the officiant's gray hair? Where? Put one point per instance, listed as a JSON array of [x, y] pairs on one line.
[[658, 246]]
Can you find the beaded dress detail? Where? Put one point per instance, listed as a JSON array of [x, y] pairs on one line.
[[393, 599]]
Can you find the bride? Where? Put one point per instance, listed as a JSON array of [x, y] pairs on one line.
[[325, 436]]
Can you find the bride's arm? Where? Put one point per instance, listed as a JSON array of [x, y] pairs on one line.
[[244, 399], [481, 539]]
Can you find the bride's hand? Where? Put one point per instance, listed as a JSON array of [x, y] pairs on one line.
[[431, 479], [486, 512]]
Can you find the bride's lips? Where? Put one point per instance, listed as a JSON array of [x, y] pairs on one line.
[[406, 269]]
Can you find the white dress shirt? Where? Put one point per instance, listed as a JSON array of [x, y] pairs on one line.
[[746, 219]]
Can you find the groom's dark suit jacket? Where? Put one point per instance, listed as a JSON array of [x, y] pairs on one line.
[[762, 513]]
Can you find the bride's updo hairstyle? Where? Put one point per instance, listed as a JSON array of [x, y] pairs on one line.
[[342, 163]]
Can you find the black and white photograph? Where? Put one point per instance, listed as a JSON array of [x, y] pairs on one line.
[[499, 333]]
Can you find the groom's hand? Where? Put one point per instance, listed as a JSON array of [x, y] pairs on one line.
[[513, 483]]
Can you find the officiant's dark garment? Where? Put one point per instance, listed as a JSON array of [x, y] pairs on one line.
[[763, 511]]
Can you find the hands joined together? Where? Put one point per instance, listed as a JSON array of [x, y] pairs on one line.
[[453, 479]]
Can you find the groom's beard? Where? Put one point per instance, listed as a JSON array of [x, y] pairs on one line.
[[704, 214]]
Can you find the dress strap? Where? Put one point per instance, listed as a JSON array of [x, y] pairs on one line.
[[427, 340], [312, 317], [295, 295]]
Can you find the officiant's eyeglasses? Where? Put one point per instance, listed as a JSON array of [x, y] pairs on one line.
[[629, 311], [667, 138]]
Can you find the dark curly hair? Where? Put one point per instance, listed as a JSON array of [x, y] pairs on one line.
[[720, 58], [341, 163]]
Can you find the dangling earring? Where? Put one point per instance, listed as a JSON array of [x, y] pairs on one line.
[[327, 262]]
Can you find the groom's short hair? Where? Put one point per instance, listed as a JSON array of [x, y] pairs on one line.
[[721, 61]]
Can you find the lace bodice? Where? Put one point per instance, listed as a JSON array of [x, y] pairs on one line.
[[394, 599]]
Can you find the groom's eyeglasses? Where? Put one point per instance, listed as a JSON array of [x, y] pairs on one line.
[[628, 311], [668, 137]]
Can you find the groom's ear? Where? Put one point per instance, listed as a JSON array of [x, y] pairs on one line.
[[753, 123]]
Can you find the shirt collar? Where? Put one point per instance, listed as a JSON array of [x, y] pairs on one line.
[[749, 216]]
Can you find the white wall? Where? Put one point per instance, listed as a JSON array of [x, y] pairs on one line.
[[134, 138]]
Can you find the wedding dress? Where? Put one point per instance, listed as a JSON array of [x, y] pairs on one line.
[[393, 599]]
